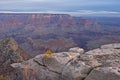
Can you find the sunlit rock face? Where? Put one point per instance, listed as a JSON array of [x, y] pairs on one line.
[[98, 64], [77, 49], [45, 68]]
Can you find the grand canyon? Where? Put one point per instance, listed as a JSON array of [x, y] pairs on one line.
[[59, 40], [36, 46], [37, 32]]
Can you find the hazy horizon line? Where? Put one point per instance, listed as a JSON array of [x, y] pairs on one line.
[[84, 13]]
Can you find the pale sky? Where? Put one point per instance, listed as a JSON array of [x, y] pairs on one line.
[[72, 7]]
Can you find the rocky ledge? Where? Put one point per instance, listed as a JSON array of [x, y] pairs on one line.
[[99, 64]]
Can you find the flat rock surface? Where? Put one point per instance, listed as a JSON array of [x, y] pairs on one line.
[[104, 73]]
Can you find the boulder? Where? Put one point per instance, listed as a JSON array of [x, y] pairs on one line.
[[104, 73], [32, 70], [45, 68], [75, 70], [77, 50]]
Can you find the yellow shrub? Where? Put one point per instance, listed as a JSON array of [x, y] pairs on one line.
[[48, 54]]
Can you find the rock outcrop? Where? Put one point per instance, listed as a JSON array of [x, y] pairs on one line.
[[10, 53], [98, 64]]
